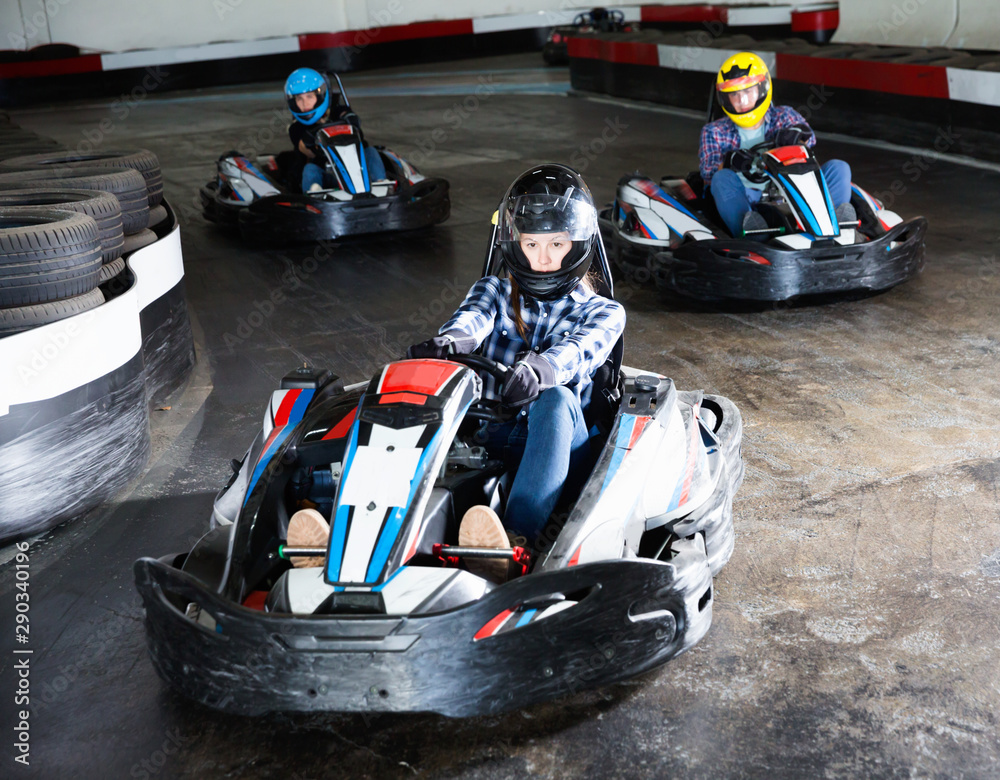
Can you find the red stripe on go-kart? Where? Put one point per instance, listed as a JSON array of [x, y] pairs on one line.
[[333, 130], [493, 626], [339, 431], [403, 398], [894, 78], [281, 417], [789, 155], [421, 376], [638, 428]]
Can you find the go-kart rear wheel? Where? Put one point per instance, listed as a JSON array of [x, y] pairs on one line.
[[729, 428]]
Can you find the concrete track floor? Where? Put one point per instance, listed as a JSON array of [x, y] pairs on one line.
[[857, 627]]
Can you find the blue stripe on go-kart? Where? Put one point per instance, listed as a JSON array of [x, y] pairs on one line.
[[672, 201], [391, 530], [829, 206], [804, 209], [801, 206], [343, 175], [265, 458], [294, 416], [622, 439], [338, 534], [526, 617], [646, 228], [364, 168]]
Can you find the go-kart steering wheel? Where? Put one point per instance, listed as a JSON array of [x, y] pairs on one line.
[[754, 171], [493, 409]]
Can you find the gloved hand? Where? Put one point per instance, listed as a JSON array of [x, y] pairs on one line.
[[740, 160], [530, 376], [454, 342], [794, 135]]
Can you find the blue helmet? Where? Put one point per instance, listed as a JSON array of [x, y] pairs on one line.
[[305, 80]]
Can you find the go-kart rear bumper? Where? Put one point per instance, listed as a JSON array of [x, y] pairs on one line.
[[713, 270], [635, 616], [286, 218]]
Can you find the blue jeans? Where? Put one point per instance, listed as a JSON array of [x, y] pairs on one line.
[[314, 174], [733, 200], [556, 449]]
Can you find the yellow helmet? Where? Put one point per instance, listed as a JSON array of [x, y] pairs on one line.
[[738, 75]]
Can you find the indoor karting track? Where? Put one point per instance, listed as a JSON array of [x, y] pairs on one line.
[[856, 629]]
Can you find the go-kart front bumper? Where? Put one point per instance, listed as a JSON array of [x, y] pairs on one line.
[[724, 269], [631, 616], [289, 218]]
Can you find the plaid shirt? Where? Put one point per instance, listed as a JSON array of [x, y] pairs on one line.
[[721, 136], [574, 333]]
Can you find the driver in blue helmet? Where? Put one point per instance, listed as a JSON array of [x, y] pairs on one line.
[[311, 103]]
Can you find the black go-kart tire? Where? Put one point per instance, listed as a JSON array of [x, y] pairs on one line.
[[21, 318], [47, 255], [157, 214], [102, 206], [729, 428], [125, 184], [110, 270], [138, 241], [141, 160]]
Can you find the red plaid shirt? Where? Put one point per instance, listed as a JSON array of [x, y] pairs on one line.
[[721, 136]]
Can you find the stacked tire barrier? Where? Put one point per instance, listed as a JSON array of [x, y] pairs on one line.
[[93, 325]]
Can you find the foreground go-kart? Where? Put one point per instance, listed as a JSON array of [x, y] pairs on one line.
[[674, 233], [263, 200], [393, 621]]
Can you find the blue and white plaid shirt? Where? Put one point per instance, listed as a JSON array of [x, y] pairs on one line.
[[721, 136], [574, 333]]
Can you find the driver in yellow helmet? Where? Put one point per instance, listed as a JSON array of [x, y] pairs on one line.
[[743, 89]]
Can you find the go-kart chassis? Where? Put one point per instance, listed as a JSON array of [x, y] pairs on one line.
[[293, 217], [632, 616], [722, 269]]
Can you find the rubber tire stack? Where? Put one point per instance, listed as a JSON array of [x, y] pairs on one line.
[[46, 268], [50, 266], [141, 160]]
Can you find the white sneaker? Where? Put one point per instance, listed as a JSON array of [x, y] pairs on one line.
[[308, 528], [315, 187], [482, 528]]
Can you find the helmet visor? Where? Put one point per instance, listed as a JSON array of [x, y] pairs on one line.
[[743, 95], [533, 213]]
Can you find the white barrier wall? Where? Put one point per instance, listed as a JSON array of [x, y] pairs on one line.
[[903, 22], [121, 25], [978, 25]]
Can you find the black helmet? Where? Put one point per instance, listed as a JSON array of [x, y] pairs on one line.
[[548, 198]]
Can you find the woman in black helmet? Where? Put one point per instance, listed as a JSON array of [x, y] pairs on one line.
[[545, 322]]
